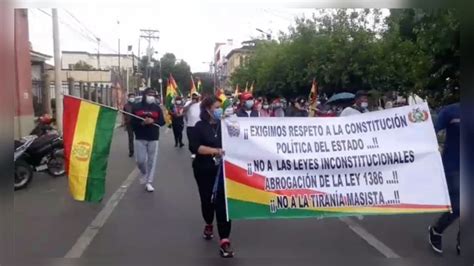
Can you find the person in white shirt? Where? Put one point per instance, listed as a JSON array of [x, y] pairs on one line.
[[360, 106], [191, 116]]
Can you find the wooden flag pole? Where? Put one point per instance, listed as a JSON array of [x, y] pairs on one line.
[[115, 109]]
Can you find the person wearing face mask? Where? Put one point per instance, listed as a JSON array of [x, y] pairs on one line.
[[265, 111], [191, 116], [127, 121], [300, 108], [177, 117], [277, 108], [360, 105], [207, 167], [247, 109], [147, 134]]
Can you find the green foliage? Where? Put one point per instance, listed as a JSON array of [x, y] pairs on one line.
[[412, 50], [207, 81], [180, 70], [81, 65]]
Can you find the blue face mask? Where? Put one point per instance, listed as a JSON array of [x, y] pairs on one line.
[[218, 114], [249, 104]]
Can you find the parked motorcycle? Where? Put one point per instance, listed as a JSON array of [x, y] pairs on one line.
[[23, 170], [38, 152]]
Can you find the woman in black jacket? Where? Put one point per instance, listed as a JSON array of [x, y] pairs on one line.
[[206, 144]]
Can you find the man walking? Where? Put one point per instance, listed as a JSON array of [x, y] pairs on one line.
[[449, 119], [127, 120], [147, 135], [191, 114]]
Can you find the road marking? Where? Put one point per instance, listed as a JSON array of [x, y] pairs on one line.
[[369, 238], [91, 231]]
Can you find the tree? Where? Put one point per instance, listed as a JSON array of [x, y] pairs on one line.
[[180, 70], [81, 65], [412, 50], [207, 80]]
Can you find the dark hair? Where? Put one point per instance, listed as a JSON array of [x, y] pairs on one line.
[[131, 94], [361, 93], [207, 103], [148, 90]]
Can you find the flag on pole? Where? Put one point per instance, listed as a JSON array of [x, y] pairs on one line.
[[199, 85], [171, 92], [175, 85], [88, 131], [251, 88], [236, 93], [225, 101], [313, 98], [246, 87], [193, 86]]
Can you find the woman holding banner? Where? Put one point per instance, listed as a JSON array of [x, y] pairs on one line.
[[207, 167]]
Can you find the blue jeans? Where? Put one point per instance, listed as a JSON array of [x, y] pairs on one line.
[[146, 154]]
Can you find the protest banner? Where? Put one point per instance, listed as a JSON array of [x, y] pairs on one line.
[[384, 162]]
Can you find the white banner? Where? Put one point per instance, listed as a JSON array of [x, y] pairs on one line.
[[382, 162]]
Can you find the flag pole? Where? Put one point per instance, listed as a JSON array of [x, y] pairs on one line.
[[105, 106]]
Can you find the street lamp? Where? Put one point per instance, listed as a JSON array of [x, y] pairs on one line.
[[269, 35]]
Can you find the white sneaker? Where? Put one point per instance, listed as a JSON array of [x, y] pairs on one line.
[[149, 188], [193, 156]]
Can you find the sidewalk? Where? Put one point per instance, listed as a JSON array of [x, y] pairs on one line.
[[118, 123]]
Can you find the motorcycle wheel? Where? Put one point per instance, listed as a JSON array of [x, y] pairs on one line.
[[23, 174], [56, 166]]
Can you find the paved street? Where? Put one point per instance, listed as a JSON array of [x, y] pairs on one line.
[[165, 226]]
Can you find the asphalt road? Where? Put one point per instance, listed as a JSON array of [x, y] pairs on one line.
[[164, 227]]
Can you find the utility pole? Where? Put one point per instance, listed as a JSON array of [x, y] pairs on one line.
[[149, 35], [57, 72], [118, 23], [98, 53]]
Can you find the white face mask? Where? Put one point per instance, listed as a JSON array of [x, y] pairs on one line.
[[364, 104], [132, 100], [150, 99], [178, 102]]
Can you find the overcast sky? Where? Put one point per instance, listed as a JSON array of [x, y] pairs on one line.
[[189, 30]]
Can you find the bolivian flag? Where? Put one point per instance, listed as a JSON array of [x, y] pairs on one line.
[[88, 130], [193, 86], [199, 85], [221, 95]]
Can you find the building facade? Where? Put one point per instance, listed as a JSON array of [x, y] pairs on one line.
[[98, 61], [24, 113], [236, 58], [220, 63]]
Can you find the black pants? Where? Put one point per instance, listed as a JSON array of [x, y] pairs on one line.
[[448, 218], [130, 138], [178, 133], [205, 177], [189, 133]]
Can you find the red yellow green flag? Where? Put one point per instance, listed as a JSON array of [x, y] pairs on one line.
[[88, 131], [199, 85], [313, 98], [236, 93], [193, 86], [171, 92], [221, 95]]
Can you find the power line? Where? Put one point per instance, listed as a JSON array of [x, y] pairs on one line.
[[70, 27], [78, 21], [81, 33], [91, 32]]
